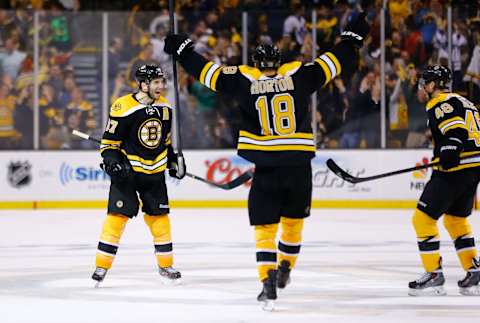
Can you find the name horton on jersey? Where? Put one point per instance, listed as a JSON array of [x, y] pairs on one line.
[[275, 85]]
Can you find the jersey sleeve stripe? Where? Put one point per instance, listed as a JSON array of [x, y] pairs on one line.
[[111, 142], [453, 125], [209, 74], [445, 122], [326, 70], [331, 65], [335, 61], [213, 82], [204, 72]]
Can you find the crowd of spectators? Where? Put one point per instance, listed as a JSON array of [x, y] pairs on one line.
[[347, 114]]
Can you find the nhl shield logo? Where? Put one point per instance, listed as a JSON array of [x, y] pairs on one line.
[[19, 173]]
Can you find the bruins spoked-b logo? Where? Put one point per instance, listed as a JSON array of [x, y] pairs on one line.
[[19, 173], [150, 133]]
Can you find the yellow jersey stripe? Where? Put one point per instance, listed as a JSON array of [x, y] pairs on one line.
[[110, 142], [335, 61], [276, 147], [204, 71], [213, 82], [445, 122], [453, 126], [147, 161], [109, 147], [326, 70], [146, 171], [297, 135]]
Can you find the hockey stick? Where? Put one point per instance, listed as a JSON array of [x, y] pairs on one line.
[[245, 177], [181, 161], [352, 179]]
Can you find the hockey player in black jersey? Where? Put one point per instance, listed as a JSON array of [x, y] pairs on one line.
[[455, 123], [276, 136], [136, 149]]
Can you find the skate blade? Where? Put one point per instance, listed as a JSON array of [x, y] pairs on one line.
[[97, 284], [430, 291], [268, 305], [470, 291], [170, 282]]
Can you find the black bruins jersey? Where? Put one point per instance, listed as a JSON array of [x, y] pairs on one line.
[[141, 132], [276, 127], [449, 112]]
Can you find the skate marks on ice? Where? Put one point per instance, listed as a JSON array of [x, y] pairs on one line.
[[354, 279]]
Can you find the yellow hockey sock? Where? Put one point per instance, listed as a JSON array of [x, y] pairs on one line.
[[428, 240], [159, 226], [290, 240], [112, 231], [266, 249], [461, 233]]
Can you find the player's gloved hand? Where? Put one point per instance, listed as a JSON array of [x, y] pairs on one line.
[[178, 45], [450, 152], [176, 165], [356, 30], [116, 168]]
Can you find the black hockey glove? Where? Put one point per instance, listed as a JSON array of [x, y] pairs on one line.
[[178, 45], [450, 152], [117, 167], [356, 30], [176, 166]]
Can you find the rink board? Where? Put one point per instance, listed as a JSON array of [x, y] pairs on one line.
[[57, 179]]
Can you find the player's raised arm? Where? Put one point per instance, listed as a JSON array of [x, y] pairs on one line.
[[214, 76]]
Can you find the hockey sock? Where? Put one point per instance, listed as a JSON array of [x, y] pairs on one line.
[[290, 240], [160, 228], [112, 231], [461, 233], [428, 240], [266, 249]]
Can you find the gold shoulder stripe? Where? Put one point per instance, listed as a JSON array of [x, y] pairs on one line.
[[124, 106], [439, 98], [289, 68], [251, 73]]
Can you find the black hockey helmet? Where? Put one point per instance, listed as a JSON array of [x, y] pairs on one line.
[[147, 73], [266, 56], [439, 74]]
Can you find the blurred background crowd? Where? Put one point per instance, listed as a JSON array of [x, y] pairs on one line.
[[52, 56]]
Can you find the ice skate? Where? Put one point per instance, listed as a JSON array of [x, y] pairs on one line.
[[283, 274], [469, 286], [98, 275], [268, 295], [429, 284], [169, 275]]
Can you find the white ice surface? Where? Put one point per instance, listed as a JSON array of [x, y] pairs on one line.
[[354, 267]]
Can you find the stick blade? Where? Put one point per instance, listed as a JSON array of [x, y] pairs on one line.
[[340, 172], [245, 177]]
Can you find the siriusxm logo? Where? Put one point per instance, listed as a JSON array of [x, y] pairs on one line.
[[81, 174]]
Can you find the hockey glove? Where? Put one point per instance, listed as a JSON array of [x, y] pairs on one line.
[[176, 165], [450, 152], [178, 45], [117, 167], [356, 30]]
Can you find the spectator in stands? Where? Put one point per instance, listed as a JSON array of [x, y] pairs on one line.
[[417, 127], [82, 109], [8, 134], [145, 57], [114, 57], [294, 25], [51, 115], [120, 87], [159, 55], [65, 92], [60, 28], [12, 59], [23, 117], [367, 105]]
